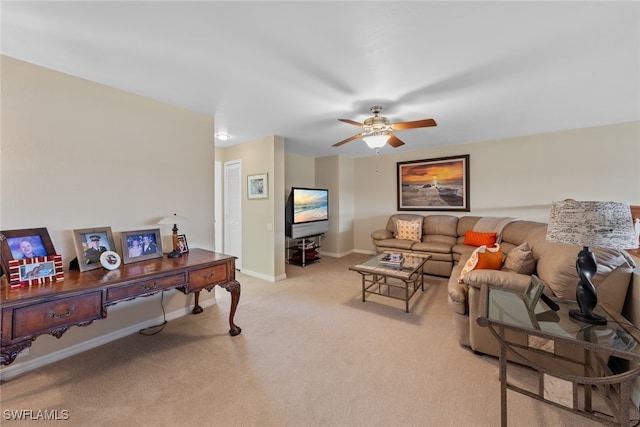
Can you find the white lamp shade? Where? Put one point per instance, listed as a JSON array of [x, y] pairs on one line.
[[174, 219], [592, 224], [376, 141]]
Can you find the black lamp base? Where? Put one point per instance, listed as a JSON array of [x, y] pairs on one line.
[[586, 294], [592, 319], [174, 254]]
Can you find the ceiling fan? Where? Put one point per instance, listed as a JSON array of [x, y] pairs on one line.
[[377, 129]]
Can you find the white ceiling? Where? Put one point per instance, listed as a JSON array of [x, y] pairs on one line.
[[482, 70]]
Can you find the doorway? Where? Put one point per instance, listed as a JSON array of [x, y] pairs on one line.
[[233, 210]]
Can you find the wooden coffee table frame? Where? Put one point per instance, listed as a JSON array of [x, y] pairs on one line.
[[378, 279]]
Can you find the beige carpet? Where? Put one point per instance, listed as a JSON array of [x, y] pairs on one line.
[[311, 353]]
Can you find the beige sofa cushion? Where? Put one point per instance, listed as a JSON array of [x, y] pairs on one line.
[[396, 244], [520, 260], [382, 235], [433, 247]]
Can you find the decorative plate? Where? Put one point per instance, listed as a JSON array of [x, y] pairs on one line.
[[110, 260]]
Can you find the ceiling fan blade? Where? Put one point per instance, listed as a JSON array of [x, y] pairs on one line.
[[394, 141], [360, 135], [351, 122], [411, 125]]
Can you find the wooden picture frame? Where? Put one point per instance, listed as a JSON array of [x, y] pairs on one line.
[[11, 240], [439, 184], [133, 245], [90, 243], [35, 271], [258, 186], [182, 247], [533, 292]]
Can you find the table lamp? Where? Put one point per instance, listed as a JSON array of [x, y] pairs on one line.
[[175, 220], [590, 224]]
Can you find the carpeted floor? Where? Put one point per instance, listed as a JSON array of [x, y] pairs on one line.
[[311, 353]]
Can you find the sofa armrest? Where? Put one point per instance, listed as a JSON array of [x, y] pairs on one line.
[[381, 235], [498, 278]]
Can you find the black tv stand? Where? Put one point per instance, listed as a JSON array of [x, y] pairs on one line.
[[304, 250]]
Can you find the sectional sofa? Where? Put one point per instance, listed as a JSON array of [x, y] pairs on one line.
[[443, 237]]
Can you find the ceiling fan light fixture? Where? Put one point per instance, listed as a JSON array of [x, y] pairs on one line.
[[376, 140]]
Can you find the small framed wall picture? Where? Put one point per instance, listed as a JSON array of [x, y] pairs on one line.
[[257, 186], [182, 247], [533, 292]]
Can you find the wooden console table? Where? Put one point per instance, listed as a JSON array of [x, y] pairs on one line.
[[81, 298]]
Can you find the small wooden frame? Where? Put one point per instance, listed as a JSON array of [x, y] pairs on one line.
[[35, 271], [135, 248], [14, 245], [90, 243]]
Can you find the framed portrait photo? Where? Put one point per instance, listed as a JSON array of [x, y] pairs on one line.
[[140, 245], [257, 186], [440, 184], [24, 244], [90, 243], [182, 247]]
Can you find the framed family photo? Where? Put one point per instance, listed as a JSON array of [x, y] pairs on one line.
[[24, 244], [90, 244], [140, 245], [257, 186], [440, 184]]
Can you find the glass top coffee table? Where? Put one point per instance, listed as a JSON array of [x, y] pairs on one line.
[[397, 282]]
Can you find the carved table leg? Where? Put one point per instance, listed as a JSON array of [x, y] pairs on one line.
[[234, 288], [196, 307]]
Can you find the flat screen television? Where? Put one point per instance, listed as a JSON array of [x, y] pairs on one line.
[[307, 212], [309, 205]]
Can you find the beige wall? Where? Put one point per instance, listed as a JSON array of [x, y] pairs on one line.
[[336, 174], [517, 177], [76, 154], [262, 219], [300, 171]]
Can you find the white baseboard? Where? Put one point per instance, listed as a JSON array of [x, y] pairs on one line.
[[337, 255], [18, 368], [262, 276]]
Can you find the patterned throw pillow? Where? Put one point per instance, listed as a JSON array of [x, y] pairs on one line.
[[520, 260], [482, 258], [409, 230], [475, 238]]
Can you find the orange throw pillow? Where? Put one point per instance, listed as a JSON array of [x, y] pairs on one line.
[[489, 260], [475, 238], [482, 258]]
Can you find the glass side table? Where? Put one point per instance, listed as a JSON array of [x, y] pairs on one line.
[[506, 316]]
